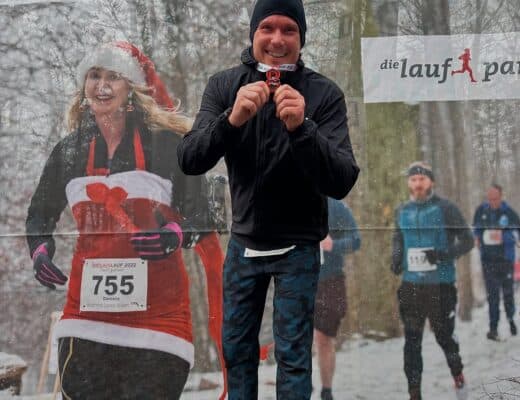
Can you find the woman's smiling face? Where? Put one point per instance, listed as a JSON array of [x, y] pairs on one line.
[[106, 91]]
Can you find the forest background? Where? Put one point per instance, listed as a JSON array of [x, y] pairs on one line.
[[469, 143]]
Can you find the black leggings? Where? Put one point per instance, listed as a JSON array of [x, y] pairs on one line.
[[92, 370], [437, 303]]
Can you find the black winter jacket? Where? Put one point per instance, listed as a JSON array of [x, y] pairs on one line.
[[278, 180], [69, 159]]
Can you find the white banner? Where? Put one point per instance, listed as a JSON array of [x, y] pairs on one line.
[[436, 68]]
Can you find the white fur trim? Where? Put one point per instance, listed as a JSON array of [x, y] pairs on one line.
[[138, 185], [112, 58], [119, 335]]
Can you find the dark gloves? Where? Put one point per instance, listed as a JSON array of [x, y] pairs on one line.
[[397, 269], [45, 271], [158, 244], [436, 256]]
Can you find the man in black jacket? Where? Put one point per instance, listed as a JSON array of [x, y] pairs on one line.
[[282, 129]]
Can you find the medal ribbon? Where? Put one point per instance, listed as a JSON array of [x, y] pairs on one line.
[[284, 67]]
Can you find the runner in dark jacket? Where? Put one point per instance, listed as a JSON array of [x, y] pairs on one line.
[[495, 224], [286, 146]]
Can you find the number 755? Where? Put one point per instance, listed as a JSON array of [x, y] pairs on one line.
[[111, 285]]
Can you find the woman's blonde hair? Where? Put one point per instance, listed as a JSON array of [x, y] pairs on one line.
[[155, 117]]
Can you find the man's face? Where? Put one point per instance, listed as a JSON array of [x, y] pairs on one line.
[[420, 186], [494, 197], [277, 41]]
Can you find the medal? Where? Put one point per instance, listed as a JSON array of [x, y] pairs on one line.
[[273, 79], [273, 74]]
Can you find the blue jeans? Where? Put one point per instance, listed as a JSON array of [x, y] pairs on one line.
[[499, 276], [246, 281]]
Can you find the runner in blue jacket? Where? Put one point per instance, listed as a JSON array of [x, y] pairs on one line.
[[494, 225], [331, 297], [430, 234]]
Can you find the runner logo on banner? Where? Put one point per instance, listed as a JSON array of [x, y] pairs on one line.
[[441, 68]]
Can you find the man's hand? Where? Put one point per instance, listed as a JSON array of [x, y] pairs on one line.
[[250, 98], [326, 244], [290, 107]]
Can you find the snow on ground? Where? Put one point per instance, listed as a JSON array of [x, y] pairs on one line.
[[5, 395], [10, 361], [370, 370]]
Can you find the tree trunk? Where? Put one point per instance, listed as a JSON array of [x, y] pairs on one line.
[[444, 132], [384, 140]]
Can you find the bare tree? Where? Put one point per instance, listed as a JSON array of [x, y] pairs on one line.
[[442, 132]]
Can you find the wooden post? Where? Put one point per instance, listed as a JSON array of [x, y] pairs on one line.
[[44, 369]]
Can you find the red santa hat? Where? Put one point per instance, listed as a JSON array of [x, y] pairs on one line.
[[128, 60]]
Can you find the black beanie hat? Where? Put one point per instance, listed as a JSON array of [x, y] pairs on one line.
[[290, 8], [419, 168]]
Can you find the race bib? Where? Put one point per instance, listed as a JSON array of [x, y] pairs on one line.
[[492, 237], [417, 261], [114, 285]]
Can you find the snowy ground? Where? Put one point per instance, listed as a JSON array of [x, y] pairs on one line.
[[369, 370]]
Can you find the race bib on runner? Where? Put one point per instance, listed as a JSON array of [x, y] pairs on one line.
[[114, 285], [492, 237], [417, 261]]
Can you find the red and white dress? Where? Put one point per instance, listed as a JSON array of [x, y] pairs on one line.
[[109, 205]]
